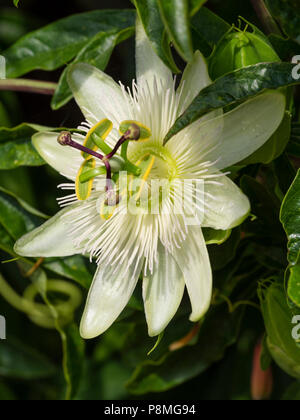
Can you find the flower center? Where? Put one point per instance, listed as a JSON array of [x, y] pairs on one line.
[[163, 165], [143, 160]]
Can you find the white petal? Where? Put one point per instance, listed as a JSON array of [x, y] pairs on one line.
[[247, 128], [226, 206], [194, 79], [194, 262], [64, 160], [233, 136], [97, 94], [163, 292], [192, 145], [110, 292], [52, 239], [148, 65]]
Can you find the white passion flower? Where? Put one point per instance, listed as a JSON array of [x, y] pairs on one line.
[[163, 248]]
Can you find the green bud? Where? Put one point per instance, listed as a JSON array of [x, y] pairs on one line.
[[239, 49]]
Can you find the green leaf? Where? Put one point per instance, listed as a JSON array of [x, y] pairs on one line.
[[175, 15], [219, 331], [6, 241], [56, 44], [233, 88], [286, 12], [97, 53], [16, 148], [150, 16], [15, 219], [210, 27], [294, 284], [16, 3], [285, 48], [25, 205], [278, 318], [73, 268], [195, 5], [21, 362], [290, 218], [275, 146]]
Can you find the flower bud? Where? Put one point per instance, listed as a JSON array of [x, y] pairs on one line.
[[261, 381], [240, 49]]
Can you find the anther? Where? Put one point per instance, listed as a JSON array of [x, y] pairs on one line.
[[65, 139], [133, 133]]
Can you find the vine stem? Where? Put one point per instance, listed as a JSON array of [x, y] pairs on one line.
[[265, 17], [27, 85]]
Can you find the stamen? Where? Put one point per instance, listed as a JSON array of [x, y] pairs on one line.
[[133, 133], [65, 139]]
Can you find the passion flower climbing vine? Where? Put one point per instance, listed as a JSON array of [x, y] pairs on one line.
[[175, 225]]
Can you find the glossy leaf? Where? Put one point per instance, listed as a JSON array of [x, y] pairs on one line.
[[195, 5], [175, 15], [97, 53], [16, 148], [233, 88], [73, 268], [14, 218], [210, 27], [6, 242], [290, 218], [150, 16], [278, 318], [56, 44], [285, 48], [294, 284]]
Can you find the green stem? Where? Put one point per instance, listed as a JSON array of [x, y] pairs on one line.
[[26, 85]]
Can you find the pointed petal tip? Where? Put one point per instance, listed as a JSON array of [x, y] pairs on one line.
[[20, 248], [89, 331], [94, 322], [156, 330], [196, 317]]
